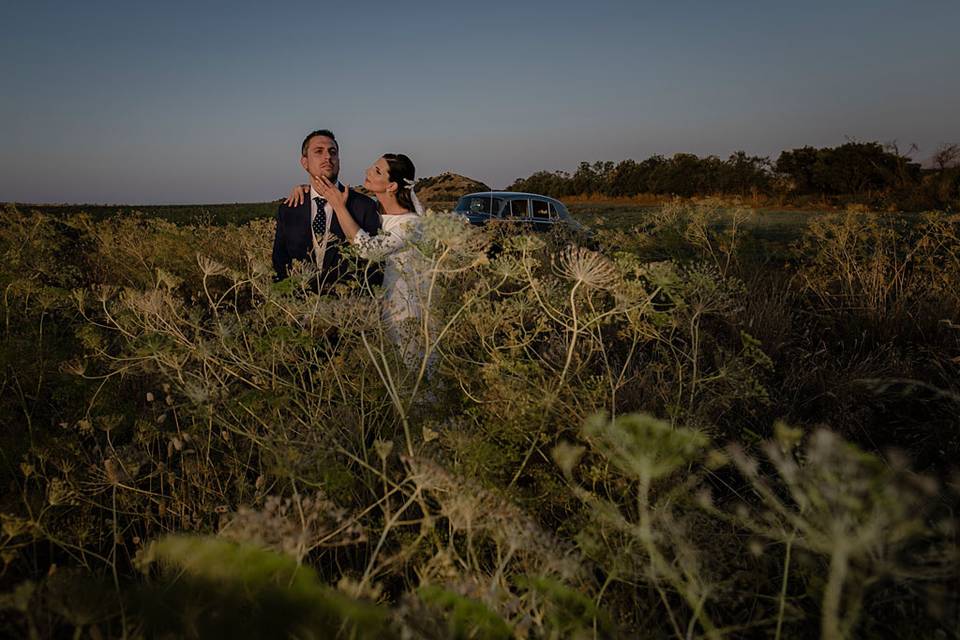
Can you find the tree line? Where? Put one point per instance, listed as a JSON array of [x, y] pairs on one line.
[[867, 172]]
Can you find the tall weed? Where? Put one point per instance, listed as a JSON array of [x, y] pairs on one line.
[[158, 383]]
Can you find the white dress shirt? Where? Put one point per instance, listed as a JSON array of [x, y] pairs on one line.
[[320, 244]]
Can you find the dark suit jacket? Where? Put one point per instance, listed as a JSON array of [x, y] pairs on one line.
[[294, 241]]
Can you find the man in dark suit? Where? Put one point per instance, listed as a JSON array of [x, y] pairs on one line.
[[311, 231]]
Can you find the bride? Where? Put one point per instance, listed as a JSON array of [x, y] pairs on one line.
[[391, 180]]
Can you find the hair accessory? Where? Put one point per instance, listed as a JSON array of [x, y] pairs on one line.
[[417, 207]]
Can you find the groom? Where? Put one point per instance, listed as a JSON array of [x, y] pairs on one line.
[[312, 232]]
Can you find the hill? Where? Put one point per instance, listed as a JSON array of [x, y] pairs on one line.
[[443, 191]]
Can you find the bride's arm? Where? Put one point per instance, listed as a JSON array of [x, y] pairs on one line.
[[381, 245], [371, 247], [297, 194], [338, 200]]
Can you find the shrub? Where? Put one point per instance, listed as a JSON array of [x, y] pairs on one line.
[[169, 402]]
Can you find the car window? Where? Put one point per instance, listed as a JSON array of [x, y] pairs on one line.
[[520, 208], [479, 204], [541, 209], [558, 211]]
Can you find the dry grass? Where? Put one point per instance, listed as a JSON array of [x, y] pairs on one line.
[[512, 480]]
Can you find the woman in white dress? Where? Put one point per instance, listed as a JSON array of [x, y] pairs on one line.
[[390, 179]]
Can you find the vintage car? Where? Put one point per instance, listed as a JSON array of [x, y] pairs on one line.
[[528, 209]]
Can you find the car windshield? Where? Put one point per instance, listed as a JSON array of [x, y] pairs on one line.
[[479, 204]]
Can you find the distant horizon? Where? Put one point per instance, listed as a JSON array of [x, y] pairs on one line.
[[183, 103], [925, 162]]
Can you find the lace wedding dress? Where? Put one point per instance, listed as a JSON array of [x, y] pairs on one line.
[[402, 279]]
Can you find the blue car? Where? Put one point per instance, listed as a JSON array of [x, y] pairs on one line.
[[527, 209]]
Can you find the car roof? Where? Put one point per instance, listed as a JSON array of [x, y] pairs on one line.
[[509, 194]]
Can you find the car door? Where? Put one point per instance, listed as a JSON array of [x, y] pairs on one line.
[[540, 214], [518, 211]]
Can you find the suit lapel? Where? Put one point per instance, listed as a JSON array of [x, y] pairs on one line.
[[335, 227], [332, 255]]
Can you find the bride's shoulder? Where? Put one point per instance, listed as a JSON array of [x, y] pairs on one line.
[[402, 219]]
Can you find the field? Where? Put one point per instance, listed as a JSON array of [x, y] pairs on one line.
[[719, 424], [782, 225], [192, 214]]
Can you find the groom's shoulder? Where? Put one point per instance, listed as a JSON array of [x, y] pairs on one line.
[[283, 207], [361, 201]]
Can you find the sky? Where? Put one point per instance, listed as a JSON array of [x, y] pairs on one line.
[[207, 102]]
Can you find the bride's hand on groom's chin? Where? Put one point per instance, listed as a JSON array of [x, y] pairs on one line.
[[330, 192]]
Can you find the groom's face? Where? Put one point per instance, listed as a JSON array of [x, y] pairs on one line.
[[322, 159]]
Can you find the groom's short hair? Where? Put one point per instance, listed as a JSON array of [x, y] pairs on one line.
[[313, 134]]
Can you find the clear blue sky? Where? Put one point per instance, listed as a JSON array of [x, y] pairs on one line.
[[203, 102]]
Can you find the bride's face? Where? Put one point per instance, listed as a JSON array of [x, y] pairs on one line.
[[377, 179]]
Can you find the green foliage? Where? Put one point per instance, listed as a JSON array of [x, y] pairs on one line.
[[682, 175], [642, 446], [187, 214], [852, 168], [569, 613], [466, 618], [212, 588], [862, 514], [854, 172], [255, 444]]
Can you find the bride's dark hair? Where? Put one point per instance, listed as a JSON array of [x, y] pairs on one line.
[[401, 171]]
